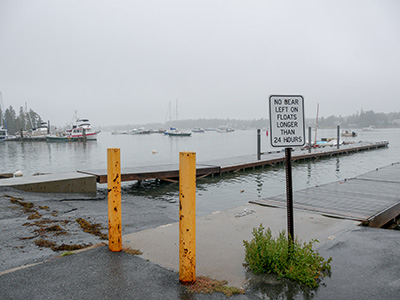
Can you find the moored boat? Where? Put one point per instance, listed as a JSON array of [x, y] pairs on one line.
[[198, 130], [225, 129], [369, 128], [140, 130], [82, 131], [348, 133], [39, 132], [179, 133], [57, 138], [3, 134]]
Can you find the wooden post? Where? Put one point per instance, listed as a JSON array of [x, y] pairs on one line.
[[338, 137], [114, 199], [187, 217], [309, 139], [84, 134]]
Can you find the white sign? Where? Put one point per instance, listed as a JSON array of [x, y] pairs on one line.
[[286, 117]]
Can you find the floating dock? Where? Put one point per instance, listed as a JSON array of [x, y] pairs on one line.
[[372, 198], [84, 181], [170, 172]]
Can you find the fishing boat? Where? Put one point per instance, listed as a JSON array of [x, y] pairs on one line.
[[82, 131]]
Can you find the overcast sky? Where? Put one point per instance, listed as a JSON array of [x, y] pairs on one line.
[[122, 62]]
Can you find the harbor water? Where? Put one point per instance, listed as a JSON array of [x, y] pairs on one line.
[[213, 193]]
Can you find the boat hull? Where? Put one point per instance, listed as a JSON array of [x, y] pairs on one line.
[[57, 139]]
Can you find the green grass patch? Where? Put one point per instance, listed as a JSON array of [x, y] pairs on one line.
[[265, 254]]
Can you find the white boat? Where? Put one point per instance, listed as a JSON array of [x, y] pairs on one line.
[[140, 130], [172, 131], [348, 133], [168, 131], [225, 129], [369, 128], [81, 131], [3, 134], [179, 133], [40, 132], [198, 130]]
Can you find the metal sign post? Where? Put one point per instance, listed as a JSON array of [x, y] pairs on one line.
[[286, 116], [289, 193]]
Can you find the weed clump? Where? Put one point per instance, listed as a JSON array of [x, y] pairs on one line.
[[64, 247], [27, 207], [34, 215], [44, 243], [264, 254], [55, 247], [207, 285]]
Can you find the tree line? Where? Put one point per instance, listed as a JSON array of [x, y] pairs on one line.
[[27, 120], [24, 120], [362, 119]]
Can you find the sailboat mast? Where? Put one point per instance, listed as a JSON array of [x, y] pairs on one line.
[[176, 108], [170, 113]]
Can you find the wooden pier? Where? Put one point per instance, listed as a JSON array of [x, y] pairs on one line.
[[170, 172], [372, 198]]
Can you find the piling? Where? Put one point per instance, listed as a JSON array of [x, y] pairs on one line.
[[84, 134], [114, 200], [187, 217], [309, 139], [338, 137]]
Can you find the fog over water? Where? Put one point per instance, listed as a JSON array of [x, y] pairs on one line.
[[122, 62]]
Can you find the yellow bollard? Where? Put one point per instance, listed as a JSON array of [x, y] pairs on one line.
[[187, 217], [114, 200]]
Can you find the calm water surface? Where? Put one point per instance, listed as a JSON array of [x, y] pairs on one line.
[[213, 194]]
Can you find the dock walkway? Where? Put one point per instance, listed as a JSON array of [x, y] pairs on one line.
[[372, 198], [170, 172]]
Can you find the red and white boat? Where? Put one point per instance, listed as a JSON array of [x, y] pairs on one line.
[[81, 131]]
